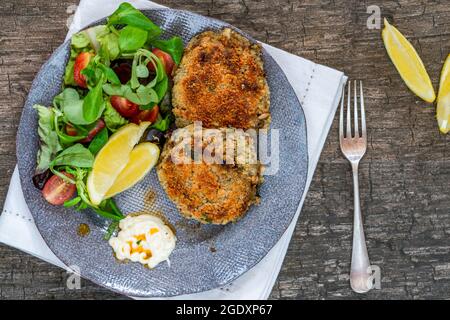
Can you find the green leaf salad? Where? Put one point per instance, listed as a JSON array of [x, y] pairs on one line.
[[116, 74]]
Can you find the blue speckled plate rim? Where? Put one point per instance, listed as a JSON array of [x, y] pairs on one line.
[[251, 265]]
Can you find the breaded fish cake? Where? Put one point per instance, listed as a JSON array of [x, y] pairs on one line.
[[214, 190], [221, 82]]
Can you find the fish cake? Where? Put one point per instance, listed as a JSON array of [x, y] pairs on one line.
[[210, 192], [221, 82]]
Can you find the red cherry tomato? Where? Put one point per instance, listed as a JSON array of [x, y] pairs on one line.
[[125, 107], [71, 131], [57, 191], [81, 62], [146, 115], [166, 60], [98, 127]]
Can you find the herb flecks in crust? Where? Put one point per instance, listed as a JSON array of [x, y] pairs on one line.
[[221, 82], [216, 193]]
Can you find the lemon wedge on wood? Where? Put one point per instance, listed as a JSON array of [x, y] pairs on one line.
[[443, 99], [408, 63], [112, 159], [142, 159]]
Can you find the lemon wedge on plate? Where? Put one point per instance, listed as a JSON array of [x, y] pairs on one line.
[[112, 159], [443, 99], [408, 63], [142, 159]]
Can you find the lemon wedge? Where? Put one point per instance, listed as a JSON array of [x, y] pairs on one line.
[[408, 63], [112, 159], [142, 159], [443, 99]]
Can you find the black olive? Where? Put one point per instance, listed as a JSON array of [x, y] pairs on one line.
[[40, 179], [156, 136]]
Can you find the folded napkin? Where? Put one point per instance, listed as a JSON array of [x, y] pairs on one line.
[[318, 89]]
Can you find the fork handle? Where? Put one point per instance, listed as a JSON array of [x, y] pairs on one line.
[[360, 274]]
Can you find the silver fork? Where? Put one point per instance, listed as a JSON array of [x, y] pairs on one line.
[[354, 147]]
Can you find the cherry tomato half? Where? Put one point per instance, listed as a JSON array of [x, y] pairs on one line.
[[125, 107], [146, 115], [81, 62], [166, 60], [57, 191], [98, 127]]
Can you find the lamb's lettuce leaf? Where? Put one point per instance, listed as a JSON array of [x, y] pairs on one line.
[[109, 47], [162, 124], [99, 141], [80, 40], [113, 119], [173, 46], [93, 103], [132, 38], [49, 139], [74, 156], [129, 15]]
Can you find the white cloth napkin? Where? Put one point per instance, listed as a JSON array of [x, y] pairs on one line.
[[318, 89]]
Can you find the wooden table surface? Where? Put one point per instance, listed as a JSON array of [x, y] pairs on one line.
[[403, 178]]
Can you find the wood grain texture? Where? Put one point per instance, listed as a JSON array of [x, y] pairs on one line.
[[403, 178]]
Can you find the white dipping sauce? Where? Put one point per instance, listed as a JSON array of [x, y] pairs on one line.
[[144, 238]]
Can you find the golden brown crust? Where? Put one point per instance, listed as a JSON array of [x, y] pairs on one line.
[[221, 82], [210, 192]]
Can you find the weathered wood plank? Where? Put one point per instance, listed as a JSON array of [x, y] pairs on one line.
[[404, 176]]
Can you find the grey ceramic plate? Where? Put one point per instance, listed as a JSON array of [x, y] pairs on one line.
[[205, 257]]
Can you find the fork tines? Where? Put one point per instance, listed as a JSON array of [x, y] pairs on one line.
[[357, 132]]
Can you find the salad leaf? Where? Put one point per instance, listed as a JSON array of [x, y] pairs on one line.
[[68, 75], [142, 71], [99, 141], [106, 214], [92, 75], [132, 38], [94, 33], [72, 202], [151, 57], [115, 90], [109, 47], [162, 124], [80, 174], [173, 46], [129, 15], [93, 104], [143, 95], [109, 73], [71, 105], [67, 140], [75, 156], [49, 139], [113, 226], [109, 209], [97, 71], [64, 138], [139, 69], [161, 88], [80, 40], [113, 119]]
